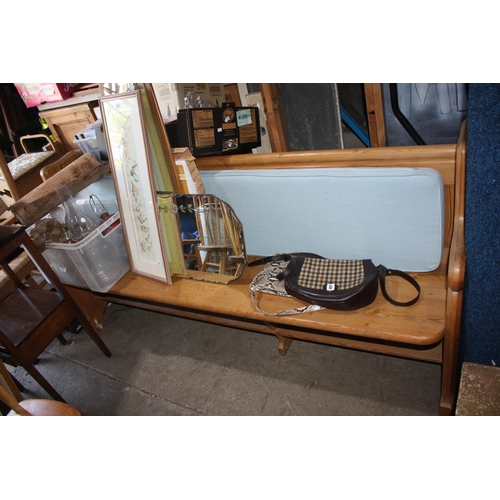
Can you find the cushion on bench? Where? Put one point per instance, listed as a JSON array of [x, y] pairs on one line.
[[394, 216]]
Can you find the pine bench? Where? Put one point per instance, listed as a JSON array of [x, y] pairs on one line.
[[427, 331]]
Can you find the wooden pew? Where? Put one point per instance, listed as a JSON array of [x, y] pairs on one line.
[[427, 331]]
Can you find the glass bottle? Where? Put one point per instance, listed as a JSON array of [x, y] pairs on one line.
[[77, 224]]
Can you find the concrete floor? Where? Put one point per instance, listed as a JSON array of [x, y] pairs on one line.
[[163, 365]]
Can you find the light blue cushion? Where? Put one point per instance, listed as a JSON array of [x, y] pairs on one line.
[[394, 216]]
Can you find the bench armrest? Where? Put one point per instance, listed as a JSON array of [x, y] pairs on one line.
[[456, 262]]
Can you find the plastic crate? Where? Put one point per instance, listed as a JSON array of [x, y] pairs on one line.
[[89, 145], [97, 262]]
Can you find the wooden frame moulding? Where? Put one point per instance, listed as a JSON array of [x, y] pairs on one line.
[[375, 113], [275, 120]]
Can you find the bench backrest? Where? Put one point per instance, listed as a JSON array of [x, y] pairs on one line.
[[244, 182], [393, 216]]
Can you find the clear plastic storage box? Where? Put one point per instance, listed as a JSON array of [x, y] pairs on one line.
[[91, 140], [97, 262], [89, 145]]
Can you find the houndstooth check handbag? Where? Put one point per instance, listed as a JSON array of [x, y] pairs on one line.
[[334, 284]]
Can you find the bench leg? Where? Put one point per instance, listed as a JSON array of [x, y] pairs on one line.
[[91, 306], [450, 353], [284, 344]]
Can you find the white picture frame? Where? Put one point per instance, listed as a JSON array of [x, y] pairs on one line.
[[130, 164]]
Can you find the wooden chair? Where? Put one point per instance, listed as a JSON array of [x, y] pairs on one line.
[[30, 318], [21, 264], [54, 167], [22, 175], [24, 268], [26, 271], [13, 400]]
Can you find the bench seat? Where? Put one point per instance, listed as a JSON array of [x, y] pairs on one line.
[[423, 323]]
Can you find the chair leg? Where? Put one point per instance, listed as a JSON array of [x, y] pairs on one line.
[[61, 339], [18, 384], [34, 253], [43, 382], [30, 368], [4, 409]]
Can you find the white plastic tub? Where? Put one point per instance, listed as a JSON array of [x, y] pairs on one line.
[[97, 262]]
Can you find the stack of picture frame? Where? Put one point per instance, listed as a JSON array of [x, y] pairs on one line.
[[148, 182]]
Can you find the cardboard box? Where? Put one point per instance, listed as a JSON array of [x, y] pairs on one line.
[[170, 96], [190, 177], [35, 94], [226, 129]]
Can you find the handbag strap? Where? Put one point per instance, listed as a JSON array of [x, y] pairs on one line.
[[383, 272], [295, 310], [272, 258], [282, 257]]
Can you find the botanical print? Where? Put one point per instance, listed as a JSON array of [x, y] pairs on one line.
[[135, 191], [125, 135], [128, 148]]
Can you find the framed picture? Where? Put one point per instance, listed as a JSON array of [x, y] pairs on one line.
[[130, 162], [166, 178], [166, 173]]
